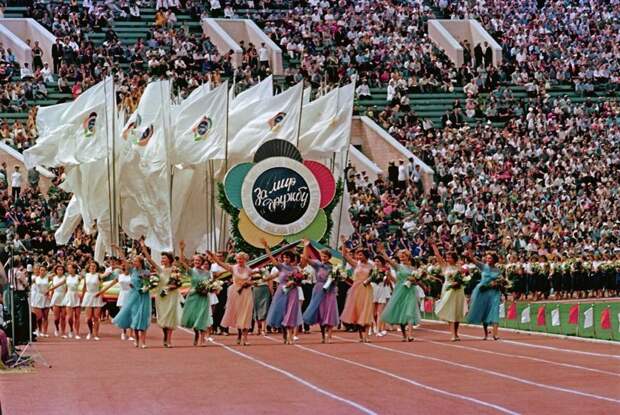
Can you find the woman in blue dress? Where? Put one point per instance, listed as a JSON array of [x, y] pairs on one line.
[[486, 297], [323, 307], [136, 314], [285, 309]]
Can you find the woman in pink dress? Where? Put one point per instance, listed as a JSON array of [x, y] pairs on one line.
[[358, 308], [240, 303]]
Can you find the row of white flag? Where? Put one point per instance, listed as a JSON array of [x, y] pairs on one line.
[[158, 157]]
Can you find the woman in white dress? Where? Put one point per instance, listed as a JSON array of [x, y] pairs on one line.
[[72, 300], [91, 299], [451, 307], [381, 293], [59, 289], [39, 300], [123, 279]]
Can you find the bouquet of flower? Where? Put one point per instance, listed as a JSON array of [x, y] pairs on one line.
[[205, 287], [458, 280], [151, 283], [537, 269], [336, 274], [308, 275], [174, 282], [434, 271], [414, 279], [294, 280], [377, 276]]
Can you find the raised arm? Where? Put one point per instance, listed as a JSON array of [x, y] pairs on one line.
[[107, 287], [390, 261], [440, 259], [148, 257], [345, 253], [221, 263], [470, 255], [182, 258], [120, 252], [305, 256], [268, 252]]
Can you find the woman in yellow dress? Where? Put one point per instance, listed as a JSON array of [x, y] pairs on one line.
[[240, 302], [359, 307], [451, 307], [167, 296]]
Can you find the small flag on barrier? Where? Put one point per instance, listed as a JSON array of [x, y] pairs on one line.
[[606, 319], [525, 315], [555, 317], [540, 317], [573, 314], [512, 312], [428, 305], [502, 310], [588, 318]]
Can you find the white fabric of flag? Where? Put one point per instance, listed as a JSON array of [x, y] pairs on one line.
[[525, 315], [502, 310], [71, 220], [588, 318], [307, 95], [200, 127], [555, 317], [76, 132], [252, 95], [275, 117]]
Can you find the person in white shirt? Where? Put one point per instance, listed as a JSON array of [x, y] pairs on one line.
[[25, 72], [402, 175], [263, 56], [16, 183], [46, 73]]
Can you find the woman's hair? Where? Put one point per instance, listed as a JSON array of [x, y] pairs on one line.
[[363, 252], [59, 265], [326, 252], [290, 255], [453, 255], [243, 255], [380, 259], [169, 256], [92, 262]]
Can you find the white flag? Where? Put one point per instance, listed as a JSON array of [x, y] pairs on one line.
[[588, 318], [275, 117], [76, 132], [259, 92], [555, 317], [525, 315], [200, 128], [307, 95], [502, 310]]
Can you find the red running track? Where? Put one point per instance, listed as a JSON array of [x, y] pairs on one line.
[[520, 374]]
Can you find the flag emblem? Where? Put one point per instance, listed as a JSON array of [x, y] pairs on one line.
[[276, 120], [146, 136], [89, 124], [130, 129], [202, 129]]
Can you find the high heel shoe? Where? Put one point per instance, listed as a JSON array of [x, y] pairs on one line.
[[495, 338], [409, 339]]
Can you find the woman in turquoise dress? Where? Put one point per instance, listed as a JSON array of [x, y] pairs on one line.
[[136, 313], [486, 297], [197, 310], [403, 308]]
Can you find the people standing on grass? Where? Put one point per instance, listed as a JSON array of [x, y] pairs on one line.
[[197, 310], [136, 312], [323, 306], [451, 305], [486, 297], [91, 301], [240, 304], [403, 308], [285, 309], [358, 308]]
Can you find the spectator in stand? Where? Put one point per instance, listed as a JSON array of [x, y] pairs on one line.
[[16, 183]]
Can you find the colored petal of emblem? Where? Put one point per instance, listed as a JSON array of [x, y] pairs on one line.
[[233, 182], [252, 235], [326, 181], [314, 231]]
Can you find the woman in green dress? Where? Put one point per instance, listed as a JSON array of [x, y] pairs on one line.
[[197, 309], [168, 298], [403, 308]]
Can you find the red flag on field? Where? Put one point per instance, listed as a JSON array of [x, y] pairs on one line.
[[573, 314], [428, 305], [540, 318], [606, 319], [512, 312]]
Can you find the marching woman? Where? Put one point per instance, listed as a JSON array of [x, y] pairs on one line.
[[358, 308], [197, 309], [404, 306], [59, 289], [262, 301], [486, 297], [72, 300], [451, 305], [123, 279], [240, 303], [136, 312], [285, 309], [381, 293], [39, 300], [323, 307], [91, 300], [168, 298]]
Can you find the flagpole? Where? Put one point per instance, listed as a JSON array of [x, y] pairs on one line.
[[346, 162], [116, 228], [301, 108], [166, 121], [222, 226], [108, 164]]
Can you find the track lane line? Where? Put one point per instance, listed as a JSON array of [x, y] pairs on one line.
[[407, 380], [297, 379], [516, 356], [490, 372]]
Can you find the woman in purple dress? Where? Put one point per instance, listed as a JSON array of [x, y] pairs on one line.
[[285, 309], [323, 307]]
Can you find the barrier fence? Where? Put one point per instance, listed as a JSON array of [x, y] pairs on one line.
[[590, 319]]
